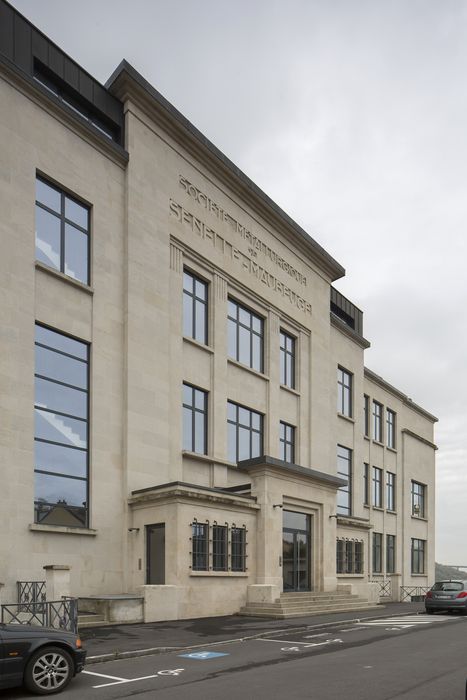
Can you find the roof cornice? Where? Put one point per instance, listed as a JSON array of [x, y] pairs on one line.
[[406, 400], [129, 85]]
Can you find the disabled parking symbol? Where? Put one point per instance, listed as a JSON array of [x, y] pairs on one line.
[[202, 655]]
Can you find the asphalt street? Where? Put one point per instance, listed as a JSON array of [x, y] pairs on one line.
[[416, 657]]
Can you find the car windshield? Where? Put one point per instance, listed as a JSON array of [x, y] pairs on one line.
[[448, 586]]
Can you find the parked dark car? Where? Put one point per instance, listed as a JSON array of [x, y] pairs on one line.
[[44, 660], [447, 595]]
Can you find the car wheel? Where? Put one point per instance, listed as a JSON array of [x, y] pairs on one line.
[[429, 611], [49, 671]]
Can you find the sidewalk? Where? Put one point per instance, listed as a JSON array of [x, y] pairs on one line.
[[123, 641]]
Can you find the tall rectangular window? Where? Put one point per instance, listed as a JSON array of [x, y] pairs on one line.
[[418, 556], [199, 546], [245, 336], [366, 484], [344, 470], [418, 499], [377, 422], [61, 429], [62, 231], [377, 488], [245, 432], [219, 547], [195, 308], [366, 415], [344, 392], [195, 419], [287, 442], [349, 556], [391, 428], [377, 552], [390, 554], [390, 491], [238, 548], [287, 360]]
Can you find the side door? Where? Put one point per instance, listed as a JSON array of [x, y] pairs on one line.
[[14, 647]]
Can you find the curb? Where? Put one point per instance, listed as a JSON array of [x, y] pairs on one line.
[[101, 658]]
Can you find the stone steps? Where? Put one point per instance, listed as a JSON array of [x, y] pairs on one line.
[[304, 604], [88, 619]]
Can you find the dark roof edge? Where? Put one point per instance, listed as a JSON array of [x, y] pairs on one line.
[[313, 474], [406, 400], [337, 271]]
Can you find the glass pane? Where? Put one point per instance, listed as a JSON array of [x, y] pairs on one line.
[[244, 416], [257, 355], [200, 442], [60, 398], [55, 458], [255, 420], [200, 310], [289, 365], [187, 316], [257, 324], [48, 195], [231, 441], [69, 431], [243, 444], [61, 342], [47, 238], [231, 411], [232, 309], [76, 254], [187, 429], [255, 444], [244, 355], [187, 395], [282, 367], [188, 282], [60, 489], [200, 290], [244, 316], [65, 369], [76, 213], [295, 521], [232, 339], [199, 399]]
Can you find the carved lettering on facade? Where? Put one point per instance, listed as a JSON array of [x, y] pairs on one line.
[[255, 244], [226, 248]]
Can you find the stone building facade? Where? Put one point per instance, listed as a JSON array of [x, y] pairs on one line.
[[185, 409]]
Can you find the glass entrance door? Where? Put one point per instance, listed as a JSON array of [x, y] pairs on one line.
[[296, 541]]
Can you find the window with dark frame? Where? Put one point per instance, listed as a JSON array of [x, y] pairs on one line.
[[391, 429], [245, 432], [195, 308], [366, 484], [220, 547], [377, 487], [418, 499], [238, 548], [62, 231], [200, 546], [390, 491], [245, 336], [195, 423], [287, 442], [377, 421], [390, 554], [344, 470], [418, 556], [344, 392], [377, 553], [287, 360], [61, 409], [349, 556], [366, 415]]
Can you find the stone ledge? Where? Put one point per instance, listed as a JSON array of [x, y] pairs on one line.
[[62, 530]]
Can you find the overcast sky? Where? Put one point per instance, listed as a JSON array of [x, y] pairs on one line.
[[352, 116]]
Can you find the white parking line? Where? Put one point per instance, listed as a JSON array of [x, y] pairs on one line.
[[103, 675]]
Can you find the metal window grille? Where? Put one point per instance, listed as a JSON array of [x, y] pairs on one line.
[[31, 591], [219, 547], [200, 546], [238, 548], [349, 556]]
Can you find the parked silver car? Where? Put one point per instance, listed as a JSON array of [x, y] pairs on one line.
[[447, 595]]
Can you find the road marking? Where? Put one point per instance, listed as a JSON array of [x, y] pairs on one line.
[[103, 675], [391, 623], [202, 655], [305, 645]]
